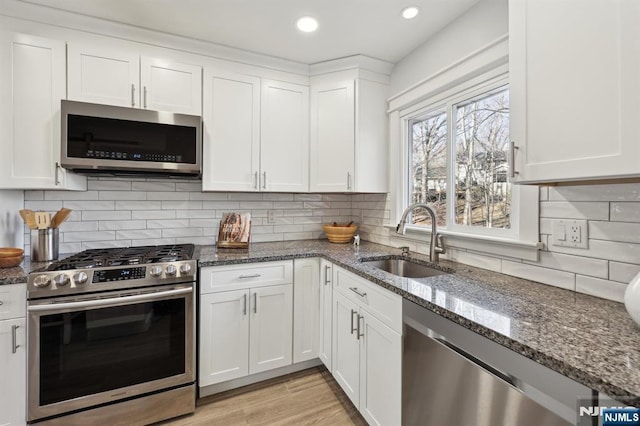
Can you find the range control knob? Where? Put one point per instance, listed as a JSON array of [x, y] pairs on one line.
[[185, 269], [41, 281], [80, 277], [170, 270], [155, 271], [61, 280]]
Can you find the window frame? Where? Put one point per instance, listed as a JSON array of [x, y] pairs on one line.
[[522, 239]]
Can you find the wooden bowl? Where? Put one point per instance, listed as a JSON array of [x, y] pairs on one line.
[[340, 233], [10, 262], [10, 252]]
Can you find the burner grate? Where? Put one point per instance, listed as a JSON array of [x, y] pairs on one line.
[[96, 258]]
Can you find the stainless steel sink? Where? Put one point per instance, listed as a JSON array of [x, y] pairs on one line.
[[405, 268]]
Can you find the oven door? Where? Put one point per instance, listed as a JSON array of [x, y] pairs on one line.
[[86, 351]]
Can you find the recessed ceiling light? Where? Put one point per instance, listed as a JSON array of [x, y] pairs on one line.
[[410, 12], [307, 24]]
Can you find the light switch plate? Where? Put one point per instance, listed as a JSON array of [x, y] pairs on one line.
[[570, 233]]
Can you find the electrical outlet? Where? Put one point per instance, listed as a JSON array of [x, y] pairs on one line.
[[570, 233], [271, 216]]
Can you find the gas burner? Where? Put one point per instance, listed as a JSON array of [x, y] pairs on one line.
[[96, 258]]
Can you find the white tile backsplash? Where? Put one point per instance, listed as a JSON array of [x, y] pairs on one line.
[[116, 212], [120, 212], [603, 270]]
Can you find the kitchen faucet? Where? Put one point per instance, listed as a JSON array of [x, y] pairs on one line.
[[437, 245]]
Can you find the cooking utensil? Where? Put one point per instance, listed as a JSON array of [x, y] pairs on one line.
[[29, 218], [43, 220], [60, 216]]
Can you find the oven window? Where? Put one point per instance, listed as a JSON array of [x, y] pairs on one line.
[[98, 350]]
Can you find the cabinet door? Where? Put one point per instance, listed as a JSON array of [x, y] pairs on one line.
[[575, 91], [326, 305], [346, 347], [103, 76], [32, 80], [224, 336], [13, 372], [284, 142], [231, 115], [271, 328], [332, 137], [172, 87], [306, 309], [380, 372]]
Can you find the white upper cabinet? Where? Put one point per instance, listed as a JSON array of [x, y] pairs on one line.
[[168, 86], [575, 89], [256, 134], [32, 83], [349, 136], [103, 76], [333, 137], [231, 116], [284, 137], [124, 78]]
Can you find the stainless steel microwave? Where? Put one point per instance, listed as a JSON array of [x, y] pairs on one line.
[[104, 139]]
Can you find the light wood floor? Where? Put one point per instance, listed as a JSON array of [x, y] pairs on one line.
[[309, 397]]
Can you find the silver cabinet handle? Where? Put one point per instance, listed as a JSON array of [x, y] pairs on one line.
[[326, 274], [255, 180], [244, 277], [57, 178], [511, 160], [359, 335], [348, 180], [144, 96], [244, 311], [358, 292], [255, 303], [264, 180], [14, 338], [352, 327], [133, 95]]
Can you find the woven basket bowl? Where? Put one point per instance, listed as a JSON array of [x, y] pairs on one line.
[[340, 234]]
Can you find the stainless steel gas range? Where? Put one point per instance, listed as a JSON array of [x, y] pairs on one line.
[[111, 337]]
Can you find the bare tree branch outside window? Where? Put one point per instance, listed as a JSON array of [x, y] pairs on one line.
[[482, 195]]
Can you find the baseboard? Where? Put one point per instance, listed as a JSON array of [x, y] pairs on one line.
[[255, 378]]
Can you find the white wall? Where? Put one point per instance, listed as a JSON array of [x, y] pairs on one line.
[[11, 225], [482, 24]]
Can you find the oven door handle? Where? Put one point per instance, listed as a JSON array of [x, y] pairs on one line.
[[111, 301]]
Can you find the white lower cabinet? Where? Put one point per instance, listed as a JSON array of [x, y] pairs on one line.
[[367, 347], [13, 367], [246, 330], [326, 308], [306, 309]]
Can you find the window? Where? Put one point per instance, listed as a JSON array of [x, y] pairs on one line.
[[458, 150]]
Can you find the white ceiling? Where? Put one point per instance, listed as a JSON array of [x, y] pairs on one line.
[[347, 27]]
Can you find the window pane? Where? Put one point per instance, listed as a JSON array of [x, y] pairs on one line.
[[483, 195], [428, 174]]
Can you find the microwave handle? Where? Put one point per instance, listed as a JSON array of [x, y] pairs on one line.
[[107, 302]]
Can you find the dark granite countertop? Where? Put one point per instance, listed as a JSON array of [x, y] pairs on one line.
[[590, 340]]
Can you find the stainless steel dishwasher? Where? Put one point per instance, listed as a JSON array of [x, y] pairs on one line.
[[443, 384]]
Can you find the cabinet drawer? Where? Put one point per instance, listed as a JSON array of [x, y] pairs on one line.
[[382, 303], [231, 277], [13, 301]]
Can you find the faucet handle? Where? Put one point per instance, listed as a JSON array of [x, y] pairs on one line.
[[405, 251], [440, 248]]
